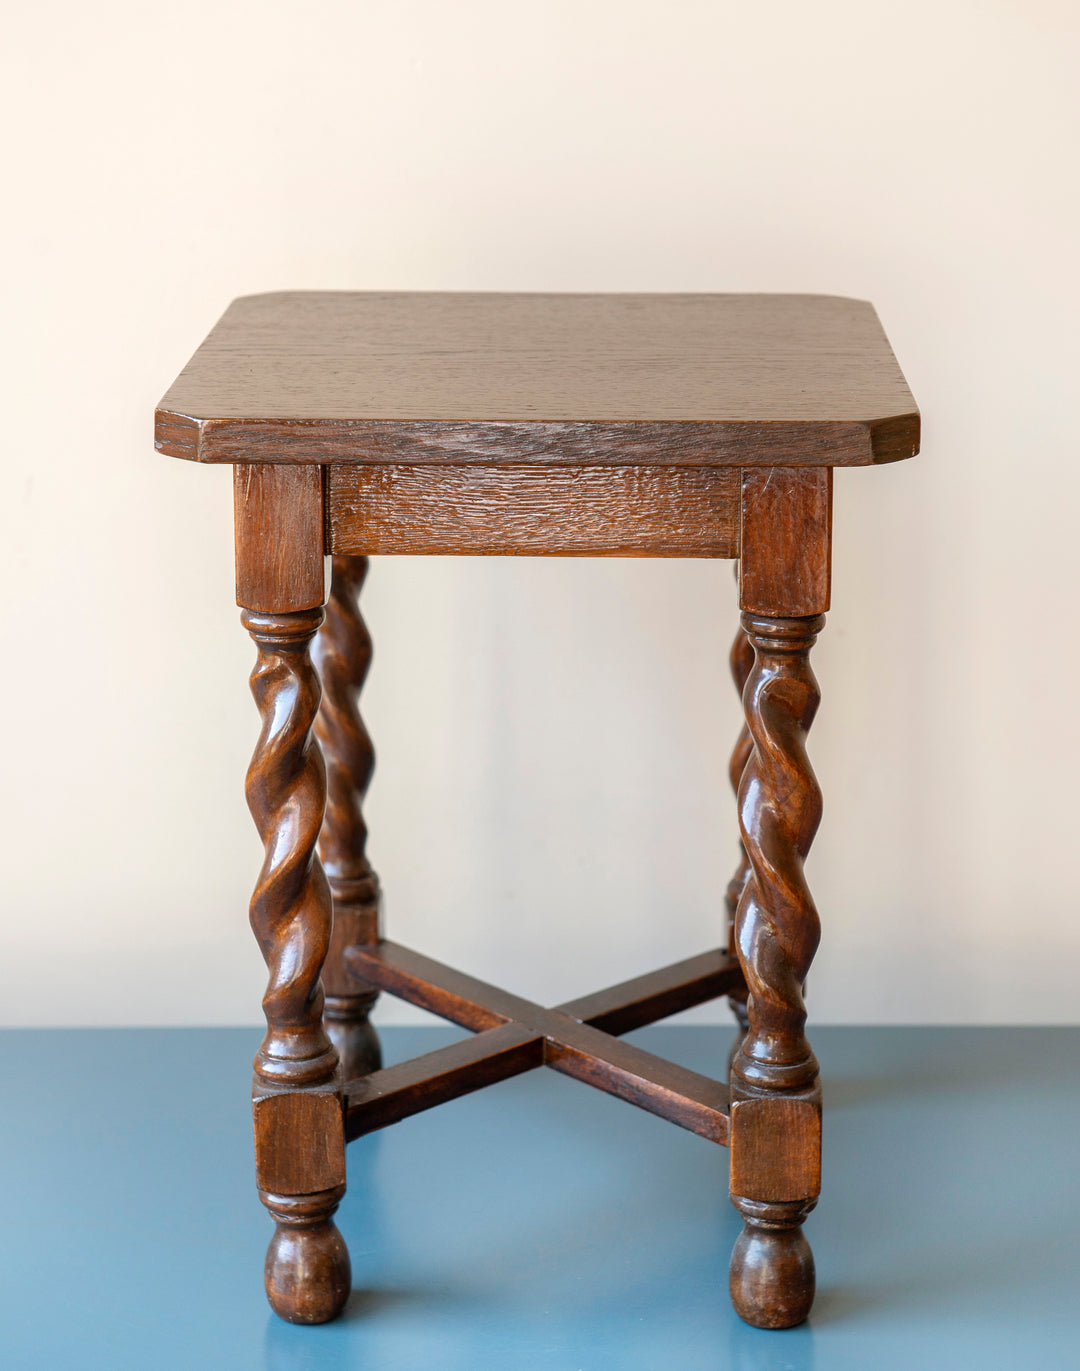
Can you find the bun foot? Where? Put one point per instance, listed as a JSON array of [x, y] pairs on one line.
[[308, 1276], [772, 1276]]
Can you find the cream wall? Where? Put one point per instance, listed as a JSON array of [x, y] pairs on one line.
[[550, 807]]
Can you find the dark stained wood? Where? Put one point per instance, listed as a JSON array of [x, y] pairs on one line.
[[296, 1104], [740, 660], [772, 1280], [776, 1148], [576, 1049], [774, 1074], [651, 425], [307, 1273], [517, 1041], [400, 378], [441, 990], [291, 910], [397, 1092], [681, 1096], [299, 1140], [278, 516], [342, 656], [520, 509], [786, 541], [777, 926], [658, 994], [476, 1005]]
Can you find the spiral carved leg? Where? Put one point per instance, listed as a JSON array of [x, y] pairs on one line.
[[348, 1027], [741, 659], [343, 655], [299, 1132], [776, 1102]]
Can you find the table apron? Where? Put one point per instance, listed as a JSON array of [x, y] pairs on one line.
[[528, 510]]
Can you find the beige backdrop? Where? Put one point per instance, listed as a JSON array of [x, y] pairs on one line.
[[550, 807]]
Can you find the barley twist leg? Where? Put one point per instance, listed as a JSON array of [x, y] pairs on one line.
[[342, 654], [299, 1134], [741, 659], [776, 1105]]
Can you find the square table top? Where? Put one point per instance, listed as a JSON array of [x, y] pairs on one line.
[[411, 377]]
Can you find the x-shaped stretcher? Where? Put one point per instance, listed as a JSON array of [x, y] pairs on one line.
[[513, 1035]]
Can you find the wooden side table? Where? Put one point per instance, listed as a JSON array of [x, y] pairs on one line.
[[587, 425]]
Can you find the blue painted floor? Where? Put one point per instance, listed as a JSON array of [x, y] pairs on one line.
[[540, 1224]]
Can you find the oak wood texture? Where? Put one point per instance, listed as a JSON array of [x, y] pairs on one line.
[[386, 1097], [291, 909], [776, 1149], [307, 1273], [777, 925], [740, 660], [647, 425], [774, 1075], [278, 522], [656, 995], [785, 541], [406, 378], [342, 656], [567, 1038], [623, 511], [296, 1101], [299, 1141]]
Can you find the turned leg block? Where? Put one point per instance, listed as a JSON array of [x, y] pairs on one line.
[[775, 1182], [300, 1172]]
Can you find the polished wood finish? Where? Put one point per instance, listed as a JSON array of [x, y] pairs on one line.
[[531, 510], [291, 910], [301, 1147], [386, 1097], [568, 1038], [296, 1097], [638, 425], [579, 380], [774, 1073], [299, 1134], [683, 1097], [278, 518], [785, 541], [740, 660], [342, 655], [778, 1156], [656, 995]]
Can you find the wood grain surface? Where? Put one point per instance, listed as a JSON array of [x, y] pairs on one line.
[[774, 1180], [618, 425], [386, 1097], [575, 1048], [656, 995], [776, 1148], [342, 653], [299, 1139], [296, 1101], [610, 511], [785, 536], [278, 525], [319, 377]]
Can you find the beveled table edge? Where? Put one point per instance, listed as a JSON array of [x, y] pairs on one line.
[[867, 442]]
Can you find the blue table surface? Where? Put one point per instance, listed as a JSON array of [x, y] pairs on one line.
[[538, 1223]]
